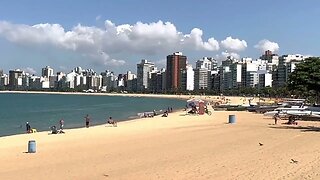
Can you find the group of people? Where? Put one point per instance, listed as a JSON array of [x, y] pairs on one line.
[[29, 129], [291, 119], [55, 130], [52, 128], [166, 113], [193, 110], [109, 121]]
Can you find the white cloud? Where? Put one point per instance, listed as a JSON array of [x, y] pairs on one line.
[[104, 59], [98, 17], [265, 45], [113, 40], [194, 39], [223, 56], [233, 54], [234, 44]]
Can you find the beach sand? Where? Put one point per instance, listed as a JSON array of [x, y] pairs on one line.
[[177, 147]]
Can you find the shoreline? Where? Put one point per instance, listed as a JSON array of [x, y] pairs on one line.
[[136, 117], [92, 126], [234, 100]]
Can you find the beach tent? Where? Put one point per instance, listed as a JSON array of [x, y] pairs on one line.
[[194, 102]]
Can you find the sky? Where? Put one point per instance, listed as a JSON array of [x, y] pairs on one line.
[[116, 34]]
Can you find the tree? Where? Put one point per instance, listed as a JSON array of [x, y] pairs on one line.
[[305, 79]]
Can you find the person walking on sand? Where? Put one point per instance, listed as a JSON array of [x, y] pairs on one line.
[[276, 116], [61, 122], [87, 120]]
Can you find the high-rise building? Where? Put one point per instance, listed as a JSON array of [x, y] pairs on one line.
[[156, 81], [130, 76], [287, 64], [202, 79], [47, 72], [190, 77], [143, 74], [78, 70], [4, 81], [109, 80], [236, 75], [272, 59], [265, 80], [94, 82], [15, 79], [52, 81], [205, 67], [176, 66], [207, 63]]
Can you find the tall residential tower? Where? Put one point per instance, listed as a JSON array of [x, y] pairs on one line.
[[176, 66]]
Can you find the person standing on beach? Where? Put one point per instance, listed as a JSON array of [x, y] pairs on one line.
[[61, 122], [28, 127], [87, 119], [276, 116]]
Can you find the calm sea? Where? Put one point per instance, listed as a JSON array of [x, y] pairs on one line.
[[45, 110]]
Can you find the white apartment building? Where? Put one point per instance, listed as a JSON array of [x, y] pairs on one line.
[[236, 75], [205, 67], [289, 57], [190, 78], [70, 77], [265, 80], [144, 69], [4, 80], [60, 75], [207, 63], [225, 78], [202, 79], [47, 72], [287, 64], [37, 83], [109, 80], [93, 82], [130, 76], [80, 81]]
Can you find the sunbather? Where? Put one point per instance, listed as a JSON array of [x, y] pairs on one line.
[[111, 121], [54, 130]]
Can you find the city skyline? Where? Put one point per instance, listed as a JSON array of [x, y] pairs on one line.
[[269, 71], [117, 35]]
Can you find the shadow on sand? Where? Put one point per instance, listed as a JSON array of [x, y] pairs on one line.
[[302, 128]]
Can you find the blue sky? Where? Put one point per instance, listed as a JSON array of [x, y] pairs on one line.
[[106, 34]]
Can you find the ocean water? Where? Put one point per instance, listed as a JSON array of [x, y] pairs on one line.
[[45, 110]]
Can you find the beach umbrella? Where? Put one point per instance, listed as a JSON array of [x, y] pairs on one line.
[[194, 102]]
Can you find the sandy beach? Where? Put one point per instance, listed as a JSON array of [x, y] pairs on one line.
[[177, 147]]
